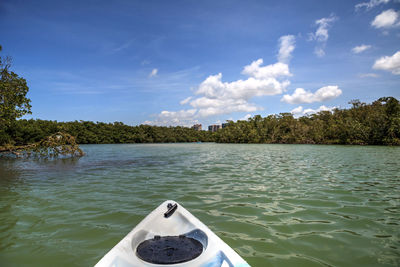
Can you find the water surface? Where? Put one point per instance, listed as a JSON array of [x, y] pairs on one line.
[[276, 205]]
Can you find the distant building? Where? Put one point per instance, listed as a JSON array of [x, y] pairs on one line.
[[214, 127], [224, 125], [197, 127]]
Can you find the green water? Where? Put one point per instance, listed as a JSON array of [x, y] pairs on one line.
[[276, 205]]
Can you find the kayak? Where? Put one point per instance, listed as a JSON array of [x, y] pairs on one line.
[[171, 235]]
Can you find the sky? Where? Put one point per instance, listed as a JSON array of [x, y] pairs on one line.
[[185, 62]]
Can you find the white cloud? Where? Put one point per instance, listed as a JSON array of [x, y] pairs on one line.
[[182, 117], [299, 96], [370, 4], [287, 45], [153, 73], [215, 96], [389, 63], [360, 48], [321, 35], [368, 75], [321, 108], [299, 111], [302, 96], [271, 71], [319, 51], [245, 118], [186, 100], [387, 19]]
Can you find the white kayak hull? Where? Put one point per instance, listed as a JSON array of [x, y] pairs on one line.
[[180, 222]]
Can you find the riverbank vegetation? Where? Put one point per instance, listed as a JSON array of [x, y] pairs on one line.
[[377, 123], [87, 132]]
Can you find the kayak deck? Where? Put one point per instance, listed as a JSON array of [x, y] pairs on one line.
[[165, 237]]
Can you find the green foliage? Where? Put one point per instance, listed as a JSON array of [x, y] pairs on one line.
[[362, 124], [13, 101], [87, 132], [374, 124]]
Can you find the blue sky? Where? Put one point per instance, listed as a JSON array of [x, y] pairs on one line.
[[183, 62]]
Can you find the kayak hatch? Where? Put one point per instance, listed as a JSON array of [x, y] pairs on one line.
[[171, 235]]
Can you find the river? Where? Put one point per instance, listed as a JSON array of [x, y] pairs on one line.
[[276, 205]]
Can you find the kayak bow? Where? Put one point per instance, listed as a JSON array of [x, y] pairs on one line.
[[171, 235]]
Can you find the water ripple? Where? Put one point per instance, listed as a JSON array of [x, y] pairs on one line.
[[277, 205]]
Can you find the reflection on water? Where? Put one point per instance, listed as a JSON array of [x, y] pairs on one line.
[[277, 205]]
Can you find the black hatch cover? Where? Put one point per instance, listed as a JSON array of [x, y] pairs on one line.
[[169, 249]]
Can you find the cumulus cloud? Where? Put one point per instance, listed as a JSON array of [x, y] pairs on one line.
[[302, 96], [216, 97], [389, 63], [210, 107], [287, 45], [370, 4], [299, 111], [321, 35], [387, 19], [182, 117], [263, 80], [270, 71], [153, 73], [360, 48]]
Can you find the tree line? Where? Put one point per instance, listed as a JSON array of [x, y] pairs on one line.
[[377, 123], [87, 132]]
